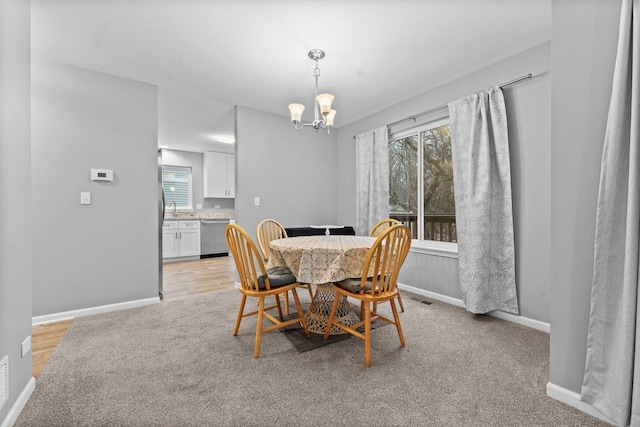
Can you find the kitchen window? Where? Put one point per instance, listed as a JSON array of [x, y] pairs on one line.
[[177, 186], [421, 193]]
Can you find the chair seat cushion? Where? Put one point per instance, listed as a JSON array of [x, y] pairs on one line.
[[353, 285], [278, 276]]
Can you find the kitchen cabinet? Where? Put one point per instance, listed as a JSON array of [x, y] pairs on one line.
[[189, 238], [219, 173], [170, 239], [180, 239]]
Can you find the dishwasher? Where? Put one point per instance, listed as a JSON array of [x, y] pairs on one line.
[[213, 241]]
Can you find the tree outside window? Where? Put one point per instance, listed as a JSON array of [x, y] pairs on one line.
[[421, 193]]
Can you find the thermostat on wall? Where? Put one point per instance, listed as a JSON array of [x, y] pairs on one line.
[[101, 175]]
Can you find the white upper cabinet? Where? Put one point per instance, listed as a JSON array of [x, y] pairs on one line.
[[219, 175]]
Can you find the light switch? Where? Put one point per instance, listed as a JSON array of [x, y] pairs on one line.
[[198, 205], [85, 198], [256, 201]]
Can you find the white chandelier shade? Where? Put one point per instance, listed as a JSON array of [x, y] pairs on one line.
[[328, 120], [325, 100], [296, 112]]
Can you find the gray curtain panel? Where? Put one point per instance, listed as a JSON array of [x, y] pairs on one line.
[[372, 179], [612, 371], [484, 218]]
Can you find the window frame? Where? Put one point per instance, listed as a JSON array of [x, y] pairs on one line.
[[430, 247], [181, 208]]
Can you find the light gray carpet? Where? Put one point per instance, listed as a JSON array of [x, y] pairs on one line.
[[177, 364]]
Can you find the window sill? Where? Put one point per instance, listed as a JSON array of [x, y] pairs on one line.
[[432, 247]]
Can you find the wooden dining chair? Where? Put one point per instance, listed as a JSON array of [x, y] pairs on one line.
[[261, 283], [376, 230], [268, 230], [377, 285]]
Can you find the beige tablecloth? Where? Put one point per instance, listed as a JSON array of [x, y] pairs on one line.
[[321, 259]]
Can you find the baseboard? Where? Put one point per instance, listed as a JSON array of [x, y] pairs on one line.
[[17, 407], [521, 320], [572, 399], [66, 315], [180, 258]]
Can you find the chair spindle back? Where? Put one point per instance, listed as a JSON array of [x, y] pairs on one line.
[[385, 258], [377, 229], [266, 231], [247, 257]]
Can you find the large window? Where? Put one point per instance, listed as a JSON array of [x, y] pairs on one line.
[[421, 182], [176, 183]]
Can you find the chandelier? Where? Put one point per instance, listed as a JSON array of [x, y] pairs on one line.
[[322, 106]]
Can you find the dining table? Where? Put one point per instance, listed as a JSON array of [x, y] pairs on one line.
[[323, 260]]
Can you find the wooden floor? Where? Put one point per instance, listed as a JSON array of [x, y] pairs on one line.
[[180, 280], [44, 339], [188, 278]]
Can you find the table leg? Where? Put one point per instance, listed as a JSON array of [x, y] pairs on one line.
[[318, 312]]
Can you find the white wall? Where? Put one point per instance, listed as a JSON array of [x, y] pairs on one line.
[[294, 173], [529, 142], [192, 123], [107, 252], [585, 36], [15, 188]]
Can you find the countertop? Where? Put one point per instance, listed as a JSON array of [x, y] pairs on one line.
[[170, 216]]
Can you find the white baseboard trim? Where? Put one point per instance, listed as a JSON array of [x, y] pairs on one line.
[[521, 320], [181, 258], [572, 399], [17, 407], [66, 315]]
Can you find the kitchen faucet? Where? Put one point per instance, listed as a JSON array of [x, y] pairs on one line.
[[174, 206]]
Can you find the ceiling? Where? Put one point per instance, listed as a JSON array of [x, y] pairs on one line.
[[208, 56]]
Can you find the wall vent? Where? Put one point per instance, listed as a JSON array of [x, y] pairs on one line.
[[421, 301], [4, 381]]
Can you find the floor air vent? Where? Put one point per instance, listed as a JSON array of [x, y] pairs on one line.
[[422, 301], [4, 380]]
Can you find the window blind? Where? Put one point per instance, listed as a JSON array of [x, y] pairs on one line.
[[176, 182]]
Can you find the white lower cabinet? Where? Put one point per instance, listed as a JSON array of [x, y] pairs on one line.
[[189, 238], [180, 239], [169, 240]]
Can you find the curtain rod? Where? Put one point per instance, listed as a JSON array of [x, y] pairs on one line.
[[440, 107]]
